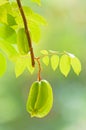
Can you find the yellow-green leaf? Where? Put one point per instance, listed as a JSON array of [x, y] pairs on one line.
[[39, 19], [2, 65], [34, 17], [23, 62], [76, 65], [4, 10], [54, 62], [65, 65], [16, 14], [29, 65], [11, 20], [20, 66], [46, 60], [37, 1], [3, 1], [7, 48], [34, 31], [7, 33]]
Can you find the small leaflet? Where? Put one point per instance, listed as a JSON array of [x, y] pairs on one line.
[[7, 33], [54, 62], [76, 65], [65, 65], [7, 48], [23, 62], [45, 60], [29, 65], [20, 66], [35, 31], [11, 20], [39, 19]]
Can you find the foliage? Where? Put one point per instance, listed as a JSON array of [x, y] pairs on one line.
[[20, 26], [10, 23]]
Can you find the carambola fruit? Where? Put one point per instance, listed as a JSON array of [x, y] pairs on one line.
[[40, 99]]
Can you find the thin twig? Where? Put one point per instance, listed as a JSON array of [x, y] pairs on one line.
[[27, 31], [39, 68]]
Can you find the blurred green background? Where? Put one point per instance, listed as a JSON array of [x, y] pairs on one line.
[[66, 30]]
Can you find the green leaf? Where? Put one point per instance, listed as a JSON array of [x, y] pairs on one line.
[[44, 52], [3, 1], [16, 14], [54, 62], [45, 60], [39, 19], [76, 65], [65, 65], [4, 10], [7, 33], [34, 23], [20, 66], [2, 65], [11, 20], [34, 17], [37, 1], [7, 48], [29, 65], [34, 31], [10, 14], [23, 62]]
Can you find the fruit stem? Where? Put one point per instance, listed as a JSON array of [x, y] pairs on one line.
[[39, 68], [27, 32]]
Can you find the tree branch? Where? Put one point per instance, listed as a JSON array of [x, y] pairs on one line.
[[27, 32]]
